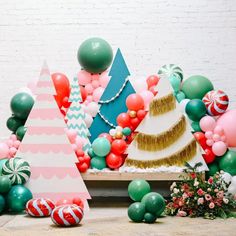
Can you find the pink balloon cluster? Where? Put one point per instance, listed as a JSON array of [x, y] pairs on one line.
[[76, 142], [9, 148], [214, 134]]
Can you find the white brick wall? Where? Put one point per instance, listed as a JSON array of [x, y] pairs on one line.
[[200, 36]]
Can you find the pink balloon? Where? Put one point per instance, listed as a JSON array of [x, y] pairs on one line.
[[147, 98], [9, 143], [95, 76], [84, 77], [89, 98], [209, 134], [95, 84], [13, 137], [207, 123], [4, 150], [216, 137], [74, 147], [218, 130], [88, 120], [79, 142], [16, 144], [97, 94], [89, 88], [209, 142], [219, 148], [12, 151], [223, 138], [227, 122], [72, 134], [104, 79]]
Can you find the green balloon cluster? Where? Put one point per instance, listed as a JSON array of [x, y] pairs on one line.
[[13, 123], [227, 162], [95, 55], [195, 109], [195, 87]]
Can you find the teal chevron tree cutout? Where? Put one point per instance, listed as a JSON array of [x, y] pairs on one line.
[[75, 115]]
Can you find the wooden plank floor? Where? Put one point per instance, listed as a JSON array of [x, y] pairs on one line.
[[114, 221]]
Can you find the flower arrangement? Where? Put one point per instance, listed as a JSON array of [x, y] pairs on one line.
[[196, 197]]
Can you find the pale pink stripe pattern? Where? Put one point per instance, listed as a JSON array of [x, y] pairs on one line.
[[45, 114], [45, 130], [43, 84], [46, 148], [45, 97]]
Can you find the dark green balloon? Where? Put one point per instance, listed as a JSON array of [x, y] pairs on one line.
[[95, 55], [195, 87], [213, 168], [136, 211], [13, 123], [2, 161], [227, 162], [17, 198], [154, 203], [149, 218], [126, 131], [5, 184], [98, 163], [21, 105], [195, 109], [138, 188], [2, 204], [20, 133], [196, 127]]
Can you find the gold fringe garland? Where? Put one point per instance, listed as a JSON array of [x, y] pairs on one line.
[[151, 142], [178, 158], [162, 105]]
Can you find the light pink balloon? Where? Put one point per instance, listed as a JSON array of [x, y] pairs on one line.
[[216, 137], [84, 77], [9, 143], [89, 98], [13, 137], [227, 122], [147, 98], [209, 142], [207, 123], [219, 148], [79, 142], [16, 144], [89, 88], [88, 120], [95, 84], [92, 108], [223, 138], [12, 151], [74, 147], [218, 130], [104, 79], [72, 134], [97, 94], [4, 150], [209, 134], [95, 76]]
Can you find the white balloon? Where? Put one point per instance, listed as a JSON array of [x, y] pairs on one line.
[[112, 132], [183, 104], [93, 108], [226, 177], [139, 85], [119, 128], [88, 120], [232, 189]]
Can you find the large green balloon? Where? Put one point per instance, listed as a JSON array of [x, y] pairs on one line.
[[95, 55], [20, 133], [17, 198], [195, 109], [5, 184], [98, 163], [149, 218], [21, 105], [13, 123], [213, 168], [136, 211], [154, 203], [138, 188], [196, 86], [101, 147], [2, 161], [227, 162], [2, 204]]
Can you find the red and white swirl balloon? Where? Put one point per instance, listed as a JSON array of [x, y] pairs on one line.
[[67, 215], [39, 207], [216, 102]]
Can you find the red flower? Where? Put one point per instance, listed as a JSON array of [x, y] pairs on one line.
[[190, 194], [185, 187], [210, 180], [200, 192], [193, 175]]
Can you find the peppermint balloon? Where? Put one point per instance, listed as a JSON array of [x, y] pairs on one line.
[[67, 215], [17, 169], [171, 70], [39, 207], [216, 102]]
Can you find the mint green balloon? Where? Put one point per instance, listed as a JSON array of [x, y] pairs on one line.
[[98, 163], [179, 96], [175, 82], [138, 188], [101, 147], [196, 86], [126, 131]]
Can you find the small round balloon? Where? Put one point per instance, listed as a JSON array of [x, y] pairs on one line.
[[20, 132], [195, 109], [169, 70], [5, 184], [98, 163], [136, 212], [13, 123], [216, 102], [196, 86], [95, 55], [21, 105], [138, 188], [149, 218], [227, 162], [101, 147]]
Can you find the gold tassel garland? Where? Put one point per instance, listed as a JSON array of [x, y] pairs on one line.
[[178, 158], [162, 105], [152, 142]]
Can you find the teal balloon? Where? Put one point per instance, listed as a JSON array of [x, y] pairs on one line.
[[175, 83], [95, 55], [2, 162], [195, 109], [136, 212], [196, 127], [179, 96], [91, 153], [17, 198], [101, 147], [21, 105], [195, 87], [13, 123], [154, 203], [5, 184], [126, 131], [149, 218], [2, 204], [98, 163], [20, 133], [213, 168], [227, 162], [138, 188]]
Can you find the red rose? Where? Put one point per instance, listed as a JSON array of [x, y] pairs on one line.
[[193, 175], [200, 192], [210, 180]]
